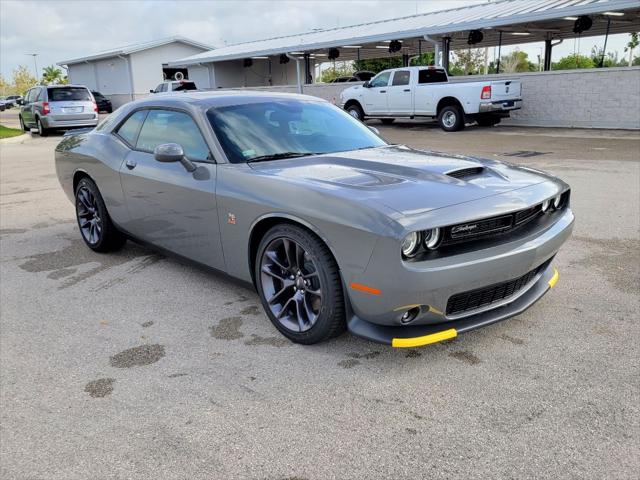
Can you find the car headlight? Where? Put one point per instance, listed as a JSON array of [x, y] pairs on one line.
[[545, 205], [556, 201], [411, 244], [431, 238]]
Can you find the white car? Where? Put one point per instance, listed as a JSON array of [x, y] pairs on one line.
[[426, 92], [174, 86]]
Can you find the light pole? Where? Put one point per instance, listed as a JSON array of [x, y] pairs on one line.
[[35, 63]]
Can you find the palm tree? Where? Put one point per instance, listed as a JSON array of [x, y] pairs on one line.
[[633, 43], [51, 75]]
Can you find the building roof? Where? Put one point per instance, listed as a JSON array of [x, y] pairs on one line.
[[128, 49], [538, 16]]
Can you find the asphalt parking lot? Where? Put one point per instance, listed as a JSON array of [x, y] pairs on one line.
[[134, 365]]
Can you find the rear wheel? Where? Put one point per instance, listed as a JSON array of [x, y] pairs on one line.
[[451, 118], [42, 131], [96, 227], [299, 285], [387, 121], [355, 111]]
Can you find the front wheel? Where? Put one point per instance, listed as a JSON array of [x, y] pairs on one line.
[[299, 285], [355, 111], [96, 227], [451, 118]]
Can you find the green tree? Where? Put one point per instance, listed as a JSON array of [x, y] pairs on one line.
[[516, 61], [23, 80], [330, 74], [467, 62], [610, 59], [573, 61], [631, 46], [5, 88], [52, 75], [376, 65]]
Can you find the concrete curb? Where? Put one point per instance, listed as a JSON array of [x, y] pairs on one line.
[[17, 139]]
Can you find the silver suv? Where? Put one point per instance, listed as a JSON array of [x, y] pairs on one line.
[[58, 106]]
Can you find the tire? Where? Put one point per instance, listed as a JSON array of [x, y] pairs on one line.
[[22, 125], [90, 209], [451, 118], [355, 111], [308, 308], [43, 132], [487, 120], [387, 121]]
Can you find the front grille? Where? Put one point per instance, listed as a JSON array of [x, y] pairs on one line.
[[481, 297]]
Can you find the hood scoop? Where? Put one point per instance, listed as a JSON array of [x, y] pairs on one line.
[[465, 172]]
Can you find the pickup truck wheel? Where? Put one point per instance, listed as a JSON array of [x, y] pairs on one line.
[[387, 121], [451, 118], [487, 120], [356, 112], [299, 284]]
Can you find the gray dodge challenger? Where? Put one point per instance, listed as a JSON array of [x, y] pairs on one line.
[[336, 228]]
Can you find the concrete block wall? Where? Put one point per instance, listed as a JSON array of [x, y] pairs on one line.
[[594, 98]]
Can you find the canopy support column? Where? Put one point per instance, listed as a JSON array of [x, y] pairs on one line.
[[298, 70], [307, 69], [446, 46]]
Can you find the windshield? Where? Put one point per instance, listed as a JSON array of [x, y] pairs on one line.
[[287, 128]]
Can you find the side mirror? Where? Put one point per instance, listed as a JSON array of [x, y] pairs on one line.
[[374, 130], [172, 152], [366, 84], [152, 91], [20, 102]]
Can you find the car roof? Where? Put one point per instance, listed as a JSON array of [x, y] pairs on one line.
[[207, 99]]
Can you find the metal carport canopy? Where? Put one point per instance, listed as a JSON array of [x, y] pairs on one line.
[[538, 18]]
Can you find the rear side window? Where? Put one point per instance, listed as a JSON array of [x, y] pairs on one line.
[[432, 76], [166, 126], [68, 94], [177, 87], [130, 128], [401, 77]]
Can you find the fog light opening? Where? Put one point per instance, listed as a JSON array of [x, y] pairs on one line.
[[410, 315]]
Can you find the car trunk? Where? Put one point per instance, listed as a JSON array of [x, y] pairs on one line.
[[70, 103], [506, 90]]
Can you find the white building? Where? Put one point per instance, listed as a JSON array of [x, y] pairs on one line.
[[129, 72]]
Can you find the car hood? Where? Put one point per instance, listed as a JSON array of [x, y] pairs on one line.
[[406, 180]]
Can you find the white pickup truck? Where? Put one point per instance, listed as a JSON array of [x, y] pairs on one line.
[[425, 92]]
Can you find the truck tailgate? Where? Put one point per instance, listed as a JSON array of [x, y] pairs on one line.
[[506, 90]]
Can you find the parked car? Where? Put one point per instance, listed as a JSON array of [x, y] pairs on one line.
[[335, 227], [58, 107], [15, 99], [104, 104], [174, 86], [4, 104], [425, 92]]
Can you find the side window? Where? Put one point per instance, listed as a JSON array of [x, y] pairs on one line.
[[380, 80], [432, 76], [401, 77], [165, 126], [28, 96], [163, 87], [128, 131]]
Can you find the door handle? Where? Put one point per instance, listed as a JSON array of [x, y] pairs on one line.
[[407, 90], [383, 91], [131, 164]]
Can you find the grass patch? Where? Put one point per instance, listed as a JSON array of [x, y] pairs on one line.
[[6, 132]]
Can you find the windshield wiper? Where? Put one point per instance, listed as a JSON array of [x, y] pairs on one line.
[[281, 155]]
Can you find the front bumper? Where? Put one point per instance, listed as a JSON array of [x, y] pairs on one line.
[[419, 335], [395, 287], [500, 106]]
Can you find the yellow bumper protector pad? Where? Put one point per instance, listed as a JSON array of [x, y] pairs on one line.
[[554, 279], [425, 340]]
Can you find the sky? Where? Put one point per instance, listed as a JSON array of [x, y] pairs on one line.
[[64, 29]]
